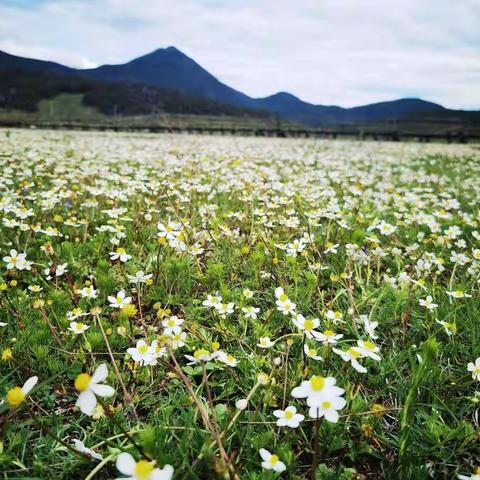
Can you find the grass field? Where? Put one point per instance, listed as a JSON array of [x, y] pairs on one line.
[[210, 307]]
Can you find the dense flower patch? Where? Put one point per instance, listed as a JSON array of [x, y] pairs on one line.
[[209, 307]]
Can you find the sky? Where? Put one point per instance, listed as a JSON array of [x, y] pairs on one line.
[[329, 52]]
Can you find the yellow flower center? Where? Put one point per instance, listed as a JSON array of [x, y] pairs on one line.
[[353, 353], [317, 383], [78, 325], [200, 353], [143, 470], [369, 345], [458, 293], [15, 396], [143, 348], [308, 324], [274, 459], [288, 415], [171, 323], [476, 370], [326, 405], [283, 297], [329, 333], [82, 382], [121, 251]]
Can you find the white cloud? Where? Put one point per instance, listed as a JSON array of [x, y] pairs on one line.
[[346, 52]]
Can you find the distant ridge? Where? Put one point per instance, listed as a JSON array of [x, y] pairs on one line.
[[169, 68]]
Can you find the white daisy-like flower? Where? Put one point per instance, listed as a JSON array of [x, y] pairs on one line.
[[78, 328], [475, 369], [120, 300], [142, 353], [141, 470], [172, 325], [352, 355], [265, 342], [428, 303], [288, 417], [89, 386], [271, 461]]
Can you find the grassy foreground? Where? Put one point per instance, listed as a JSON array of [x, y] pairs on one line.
[[212, 307]]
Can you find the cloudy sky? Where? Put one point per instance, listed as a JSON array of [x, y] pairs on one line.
[[341, 52]]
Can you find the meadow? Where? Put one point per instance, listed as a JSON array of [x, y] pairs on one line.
[[222, 307]]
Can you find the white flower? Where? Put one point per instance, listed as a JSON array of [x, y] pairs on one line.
[[80, 446], [331, 248], [212, 301], [120, 254], [327, 407], [315, 389], [247, 293], [265, 342], [172, 325], [142, 353], [17, 261], [369, 326], [284, 304], [428, 303], [76, 313], [305, 324], [368, 349], [177, 340], [352, 355], [141, 470], [88, 292], [78, 327], [35, 288], [335, 317], [271, 461], [227, 359], [327, 336], [311, 352], [458, 294], [120, 300], [17, 395], [200, 355], [89, 386], [450, 328], [139, 277], [475, 369], [288, 417], [474, 476], [225, 309], [250, 312]]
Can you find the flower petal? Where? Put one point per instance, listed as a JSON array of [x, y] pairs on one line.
[[125, 464], [86, 402], [29, 384], [100, 374], [102, 390]]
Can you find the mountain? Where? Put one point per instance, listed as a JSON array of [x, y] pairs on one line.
[[169, 68]]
